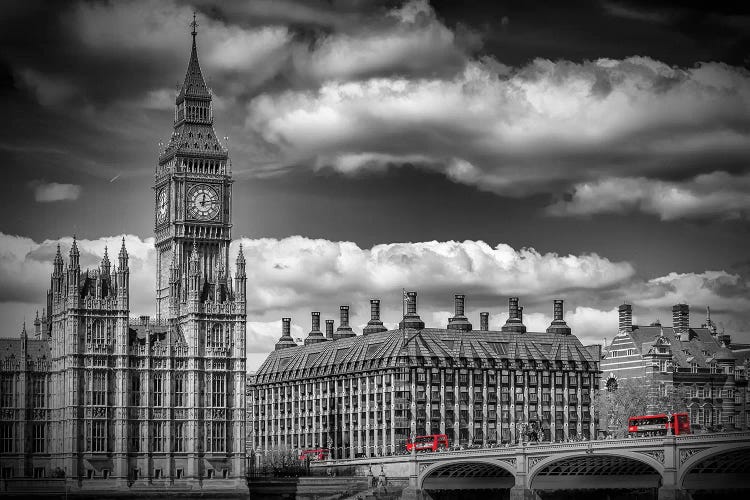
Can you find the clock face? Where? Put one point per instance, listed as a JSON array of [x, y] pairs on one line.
[[162, 206], [203, 202]]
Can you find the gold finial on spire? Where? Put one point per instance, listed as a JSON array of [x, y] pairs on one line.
[[194, 25]]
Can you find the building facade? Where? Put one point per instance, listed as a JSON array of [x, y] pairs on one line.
[[698, 367], [105, 400], [364, 395]]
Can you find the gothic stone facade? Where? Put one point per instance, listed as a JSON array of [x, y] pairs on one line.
[[108, 401], [700, 366], [364, 395]]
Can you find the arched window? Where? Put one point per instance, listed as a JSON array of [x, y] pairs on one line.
[[217, 336], [98, 332]]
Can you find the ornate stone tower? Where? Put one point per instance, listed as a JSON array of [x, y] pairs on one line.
[[193, 193]]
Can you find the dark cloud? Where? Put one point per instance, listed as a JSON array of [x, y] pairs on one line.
[[455, 120]]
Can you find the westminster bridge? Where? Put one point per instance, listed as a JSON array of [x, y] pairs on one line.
[[666, 467]]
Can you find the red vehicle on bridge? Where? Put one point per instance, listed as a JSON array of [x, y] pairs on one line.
[[315, 454], [431, 442], [659, 425]]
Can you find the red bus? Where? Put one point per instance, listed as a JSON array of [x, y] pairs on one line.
[[431, 442], [315, 454], [659, 425]]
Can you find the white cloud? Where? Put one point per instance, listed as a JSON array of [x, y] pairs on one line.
[[292, 276], [45, 192], [716, 194], [537, 129]]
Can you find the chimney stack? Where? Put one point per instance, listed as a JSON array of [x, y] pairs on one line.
[[411, 318], [315, 334], [344, 330], [484, 321], [374, 325], [558, 325], [459, 321], [626, 318], [515, 322], [286, 339], [681, 321], [329, 329]]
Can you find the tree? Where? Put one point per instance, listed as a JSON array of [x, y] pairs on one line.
[[630, 397]]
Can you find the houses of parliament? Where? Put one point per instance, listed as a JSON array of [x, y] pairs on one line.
[[104, 400]]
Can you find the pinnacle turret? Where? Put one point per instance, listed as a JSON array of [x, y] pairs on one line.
[[194, 86], [74, 254], [122, 257], [106, 266]]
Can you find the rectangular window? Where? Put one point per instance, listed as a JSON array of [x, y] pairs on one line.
[[218, 391], [6, 437], [38, 472], [99, 389], [39, 442], [179, 390], [158, 389], [217, 437], [6, 391], [135, 436], [38, 392], [157, 440], [135, 390], [179, 437], [97, 438]]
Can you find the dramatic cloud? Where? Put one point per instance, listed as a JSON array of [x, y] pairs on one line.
[[717, 194], [535, 130], [52, 191], [293, 276]]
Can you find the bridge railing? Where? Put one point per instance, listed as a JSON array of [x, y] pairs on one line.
[[600, 444]]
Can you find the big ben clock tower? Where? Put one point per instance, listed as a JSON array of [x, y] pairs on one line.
[[193, 194]]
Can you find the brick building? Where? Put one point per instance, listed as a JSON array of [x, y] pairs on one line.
[[701, 366]]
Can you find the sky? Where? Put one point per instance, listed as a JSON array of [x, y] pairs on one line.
[[593, 151]]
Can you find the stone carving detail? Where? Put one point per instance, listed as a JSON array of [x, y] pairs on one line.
[[685, 454], [218, 413], [511, 461], [158, 413], [535, 460], [422, 467], [39, 414], [100, 412], [6, 414], [179, 413], [657, 455]]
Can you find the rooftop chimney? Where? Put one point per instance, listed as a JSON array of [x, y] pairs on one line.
[[626, 318], [459, 321], [411, 318], [515, 322], [286, 339], [681, 321], [315, 334], [344, 330], [484, 321], [558, 324], [374, 325], [329, 329]]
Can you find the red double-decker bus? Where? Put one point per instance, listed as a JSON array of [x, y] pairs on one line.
[[431, 442], [659, 425], [315, 454]]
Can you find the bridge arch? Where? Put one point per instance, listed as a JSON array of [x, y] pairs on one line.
[[458, 474], [716, 467], [608, 469]]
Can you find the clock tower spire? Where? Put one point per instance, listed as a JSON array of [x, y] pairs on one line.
[[193, 186]]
